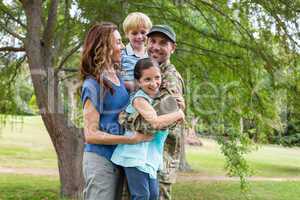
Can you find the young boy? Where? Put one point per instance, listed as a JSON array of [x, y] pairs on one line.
[[136, 25]]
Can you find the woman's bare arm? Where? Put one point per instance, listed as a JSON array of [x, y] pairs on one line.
[[94, 136]]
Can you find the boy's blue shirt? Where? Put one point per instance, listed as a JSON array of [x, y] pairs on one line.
[[128, 61], [109, 106]]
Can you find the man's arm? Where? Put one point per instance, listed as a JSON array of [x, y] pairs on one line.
[[173, 83]]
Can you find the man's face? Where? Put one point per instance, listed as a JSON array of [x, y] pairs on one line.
[[160, 47]]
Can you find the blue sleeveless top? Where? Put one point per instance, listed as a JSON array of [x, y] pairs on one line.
[[109, 106]]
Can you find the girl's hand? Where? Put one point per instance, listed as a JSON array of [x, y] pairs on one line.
[[138, 137]]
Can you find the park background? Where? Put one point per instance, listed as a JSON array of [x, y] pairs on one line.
[[240, 62]]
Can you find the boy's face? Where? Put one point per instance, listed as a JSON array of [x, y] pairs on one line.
[[137, 37], [160, 47]]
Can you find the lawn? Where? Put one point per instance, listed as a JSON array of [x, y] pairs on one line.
[[26, 144], [26, 187], [267, 161]]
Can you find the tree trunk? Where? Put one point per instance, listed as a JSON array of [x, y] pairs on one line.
[[183, 164], [66, 138], [68, 144]]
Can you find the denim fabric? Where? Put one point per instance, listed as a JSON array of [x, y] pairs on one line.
[[141, 186]]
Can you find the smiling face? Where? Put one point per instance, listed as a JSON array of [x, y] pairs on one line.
[[150, 81], [160, 47], [137, 37], [117, 46]]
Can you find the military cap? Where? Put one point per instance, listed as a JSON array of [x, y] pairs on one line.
[[165, 30]]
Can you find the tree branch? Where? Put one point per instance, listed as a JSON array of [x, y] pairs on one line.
[[50, 27], [5, 10], [13, 49], [209, 51], [71, 70], [234, 22], [11, 32], [17, 66], [208, 21], [61, 64], [282, 25]]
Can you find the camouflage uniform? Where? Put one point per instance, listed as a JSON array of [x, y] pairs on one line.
[[172, 81], [172, 84]]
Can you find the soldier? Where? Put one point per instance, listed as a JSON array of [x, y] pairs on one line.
[[161, 45]]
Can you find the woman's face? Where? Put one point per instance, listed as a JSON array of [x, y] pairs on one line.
[[117, 46]]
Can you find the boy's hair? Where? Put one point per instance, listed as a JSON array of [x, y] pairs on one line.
[[143, 64], [136, 20]]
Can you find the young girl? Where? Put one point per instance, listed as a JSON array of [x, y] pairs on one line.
[[141, 161]]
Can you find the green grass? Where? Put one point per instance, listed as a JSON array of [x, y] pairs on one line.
[[27, 145], [26, 187], [25, 142], [230, 191], [267, 161]]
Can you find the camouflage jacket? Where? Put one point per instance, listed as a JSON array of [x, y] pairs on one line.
[[171, 91], [172, 81]]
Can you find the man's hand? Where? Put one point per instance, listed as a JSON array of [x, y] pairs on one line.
[[174, 164], [180, 102]]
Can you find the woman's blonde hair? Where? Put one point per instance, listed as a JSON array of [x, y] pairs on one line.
[[97, 53], [136, 20]]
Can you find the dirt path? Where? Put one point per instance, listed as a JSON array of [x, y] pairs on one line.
[[31, 171], [194, 177], [182, 176]]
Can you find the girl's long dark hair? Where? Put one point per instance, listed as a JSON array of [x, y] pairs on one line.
[[142, 65]]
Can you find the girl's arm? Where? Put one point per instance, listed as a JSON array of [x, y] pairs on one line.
[[94, 136], [150, 115]]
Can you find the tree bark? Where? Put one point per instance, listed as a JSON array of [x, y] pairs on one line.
[[66, 138], [183, 164], [68, 144]]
